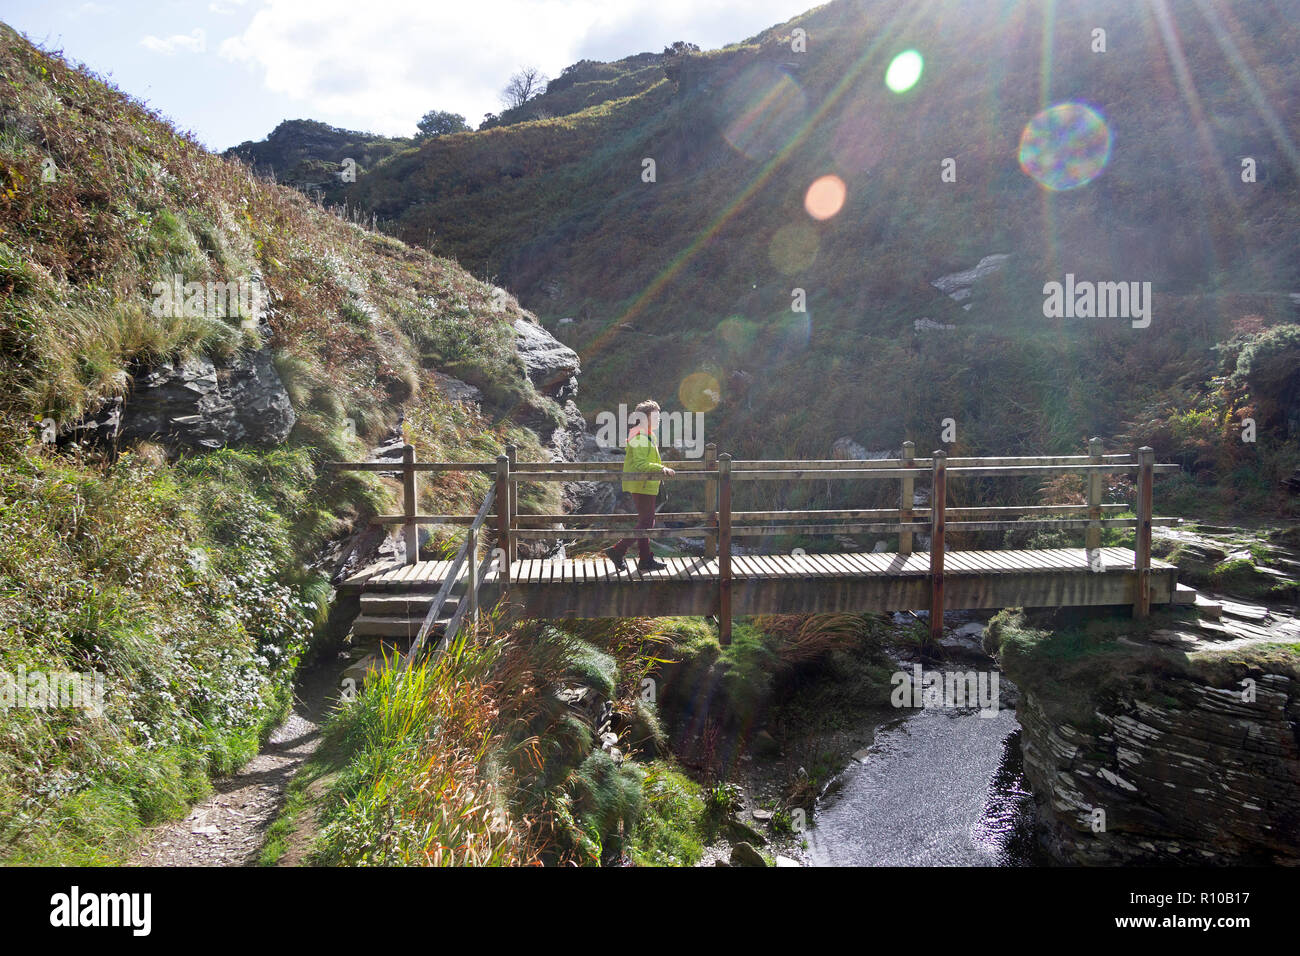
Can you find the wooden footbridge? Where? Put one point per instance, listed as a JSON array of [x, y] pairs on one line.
[[418, 599]]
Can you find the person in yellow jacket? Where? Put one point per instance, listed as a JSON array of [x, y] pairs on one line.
[[642, 455]]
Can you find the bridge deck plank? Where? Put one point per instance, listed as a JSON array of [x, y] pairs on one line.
[[589, 584], [863, 565]]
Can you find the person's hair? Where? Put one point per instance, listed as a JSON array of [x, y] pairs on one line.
[[646, 407]]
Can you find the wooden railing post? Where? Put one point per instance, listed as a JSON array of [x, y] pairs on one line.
[[710, 501], [1142, 547], [938, 498], [503, 518], [471, 580], [1092, 538], [410, 530], [512, 453], [724, 549], [905, 499]]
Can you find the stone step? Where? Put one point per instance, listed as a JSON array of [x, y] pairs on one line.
[[1215, 631], [1206, 607], [1249, 612], [1184, 595]]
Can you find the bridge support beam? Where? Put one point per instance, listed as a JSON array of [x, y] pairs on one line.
[[1142, 546], [938, 498]]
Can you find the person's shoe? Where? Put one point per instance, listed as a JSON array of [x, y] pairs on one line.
[[651, 565], [619, 566]]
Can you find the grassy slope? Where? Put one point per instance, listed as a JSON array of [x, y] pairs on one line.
[[705, 258], [185, 579]]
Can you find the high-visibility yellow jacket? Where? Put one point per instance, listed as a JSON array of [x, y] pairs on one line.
[[642, 455]]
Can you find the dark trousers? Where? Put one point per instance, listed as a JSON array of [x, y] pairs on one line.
[[645, 520]]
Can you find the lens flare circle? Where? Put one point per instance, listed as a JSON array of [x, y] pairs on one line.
[[765, 108], [699, 392], [793, 247], [736, 332], [1065, 146], [825, 197], [904, 71]]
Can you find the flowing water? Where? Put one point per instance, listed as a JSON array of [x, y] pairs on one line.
[[937, 788]]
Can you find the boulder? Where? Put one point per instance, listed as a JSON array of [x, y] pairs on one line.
[[457, 390], [740, 832], [929, 325], [765, 744], [551, 365], [958, 285], [574, 442], [743, 854], [846, 449]]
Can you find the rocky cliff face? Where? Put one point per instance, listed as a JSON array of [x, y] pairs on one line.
[[1189, 753], [200, 403], [206, 404], [197, 403], [1190, 774]]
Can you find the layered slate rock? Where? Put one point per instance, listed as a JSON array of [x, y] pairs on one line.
[[1185, 772], [205, 405]]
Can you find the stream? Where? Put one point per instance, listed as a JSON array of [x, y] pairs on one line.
[[939, 787]]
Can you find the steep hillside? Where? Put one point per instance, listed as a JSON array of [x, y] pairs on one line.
[[311, 156], [691, 278], [167, 528]]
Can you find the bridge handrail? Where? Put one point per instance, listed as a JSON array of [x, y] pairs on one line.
[[742, 464], [470, 549], [529, 521]]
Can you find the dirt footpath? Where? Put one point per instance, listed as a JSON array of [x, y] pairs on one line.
[[229, 827]]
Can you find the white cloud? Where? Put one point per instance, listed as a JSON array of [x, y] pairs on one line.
[[381, 64], [195, 42]]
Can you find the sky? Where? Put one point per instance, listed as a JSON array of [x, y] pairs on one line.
[[231, 70]]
